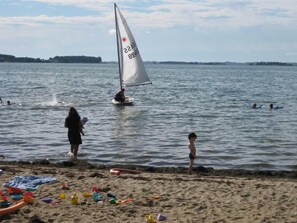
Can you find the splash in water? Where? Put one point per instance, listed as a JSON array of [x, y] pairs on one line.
[[54, 102]]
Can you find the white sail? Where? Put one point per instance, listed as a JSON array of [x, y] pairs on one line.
[[131, 68]]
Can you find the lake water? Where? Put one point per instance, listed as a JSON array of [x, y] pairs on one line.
[[212, 101]]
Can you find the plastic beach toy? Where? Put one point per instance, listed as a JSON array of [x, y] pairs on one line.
[[118, 171], [74, 199], [149, 219], [47, 200], [13, 190], [28, 194], [62, 196], [16, 196], [110, 195], [95, 196], [112, 201], [86, 194], [161, 217], [29, 200], [84, 120], [127, 200], [12, 208], [115, 171]]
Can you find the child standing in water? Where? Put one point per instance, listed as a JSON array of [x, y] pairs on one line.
[[191, 137]]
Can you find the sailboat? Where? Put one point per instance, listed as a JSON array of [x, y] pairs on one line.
[[131, 68]]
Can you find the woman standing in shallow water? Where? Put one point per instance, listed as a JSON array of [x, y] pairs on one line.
[[73, 123]]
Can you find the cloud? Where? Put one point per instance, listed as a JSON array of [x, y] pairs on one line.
[[172, 13], [112, 31], [102, 5], [44, 20], [214, 27]]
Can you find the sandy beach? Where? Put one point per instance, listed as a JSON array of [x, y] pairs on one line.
[[205, 196]]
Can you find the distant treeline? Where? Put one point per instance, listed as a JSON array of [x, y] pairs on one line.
[[198, 63], [56, 59], [271, 63]]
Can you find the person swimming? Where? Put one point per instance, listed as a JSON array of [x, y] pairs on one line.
[[277, 107], [255, 106]]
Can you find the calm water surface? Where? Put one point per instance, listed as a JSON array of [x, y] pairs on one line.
[[213, 101]]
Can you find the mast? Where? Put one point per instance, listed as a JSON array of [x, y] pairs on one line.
[[118, 45]]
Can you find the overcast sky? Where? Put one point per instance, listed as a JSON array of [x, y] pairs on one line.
[[165, 30]]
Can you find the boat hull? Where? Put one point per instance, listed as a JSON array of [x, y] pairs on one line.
[[127, 102]]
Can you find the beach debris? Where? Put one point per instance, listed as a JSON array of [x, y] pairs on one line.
[[105, 189], [155, 197], [35, 219], [96, 175], [100, 202], [1, 171], [64, 186], [161, 217], [81, 177]]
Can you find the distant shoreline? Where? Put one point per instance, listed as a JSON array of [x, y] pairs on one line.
[[91, 59]]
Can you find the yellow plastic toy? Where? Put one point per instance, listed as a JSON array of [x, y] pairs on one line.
[[86, 194], [149, 219]]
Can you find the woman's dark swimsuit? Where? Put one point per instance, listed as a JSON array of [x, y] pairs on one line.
[[191, 156]]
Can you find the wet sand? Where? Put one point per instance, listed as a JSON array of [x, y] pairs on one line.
[[206, 196]]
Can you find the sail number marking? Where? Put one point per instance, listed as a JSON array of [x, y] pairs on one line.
[[132, 48]]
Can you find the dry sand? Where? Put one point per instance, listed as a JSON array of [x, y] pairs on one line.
[[201, 197]]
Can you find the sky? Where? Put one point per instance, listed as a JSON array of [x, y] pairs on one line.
[[164, 30]]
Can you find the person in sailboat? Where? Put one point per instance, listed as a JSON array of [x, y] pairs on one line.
[[120, 96]]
